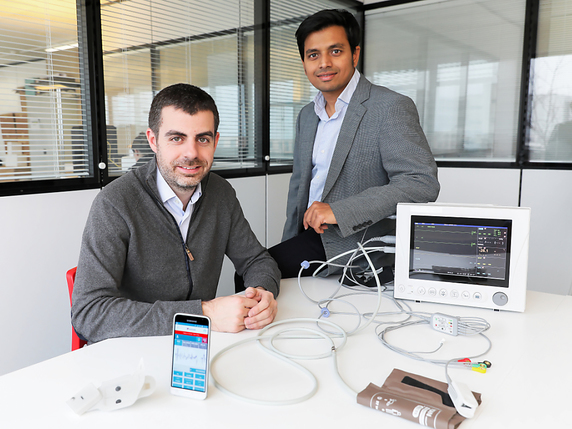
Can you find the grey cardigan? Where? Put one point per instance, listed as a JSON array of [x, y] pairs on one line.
[[381, 158], [134, 273]]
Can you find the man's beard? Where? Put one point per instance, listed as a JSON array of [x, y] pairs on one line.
[[181, 182]]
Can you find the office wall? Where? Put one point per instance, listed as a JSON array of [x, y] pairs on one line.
[[547, 193], [40, 237]]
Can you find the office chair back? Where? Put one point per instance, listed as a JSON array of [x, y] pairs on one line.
[[77, 342]]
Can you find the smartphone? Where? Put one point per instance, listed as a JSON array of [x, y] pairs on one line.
[[190, 360]]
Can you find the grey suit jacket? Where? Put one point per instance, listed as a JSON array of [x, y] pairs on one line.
[[381, 158]]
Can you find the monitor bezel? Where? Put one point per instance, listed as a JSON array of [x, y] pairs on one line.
[[511, 297]]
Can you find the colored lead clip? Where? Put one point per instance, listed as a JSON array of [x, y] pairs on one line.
[[466, 362], [479, 367]]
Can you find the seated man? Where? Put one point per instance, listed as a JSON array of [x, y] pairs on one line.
[[155, 238]]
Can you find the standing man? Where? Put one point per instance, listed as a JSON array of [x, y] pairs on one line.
[[359, 151], [156, 237]]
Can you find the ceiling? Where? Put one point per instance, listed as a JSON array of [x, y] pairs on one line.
[[27, 27]]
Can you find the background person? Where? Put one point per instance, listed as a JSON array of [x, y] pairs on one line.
[[142, 152]]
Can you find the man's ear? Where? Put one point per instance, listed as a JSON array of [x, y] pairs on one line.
[[216, 140], [152, 140], [356, 56]]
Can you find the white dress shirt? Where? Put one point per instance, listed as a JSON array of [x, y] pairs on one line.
[[174, 204], [327, 136]]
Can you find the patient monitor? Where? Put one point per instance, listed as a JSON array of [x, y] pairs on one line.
[[462, 254]]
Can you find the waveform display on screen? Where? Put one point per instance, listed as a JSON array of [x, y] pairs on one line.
[[192, 356], [460, 248]]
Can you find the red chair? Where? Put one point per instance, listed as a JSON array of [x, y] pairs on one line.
[[77, 343]]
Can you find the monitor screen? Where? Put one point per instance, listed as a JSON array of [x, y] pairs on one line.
[[469, 255], [461, 250]]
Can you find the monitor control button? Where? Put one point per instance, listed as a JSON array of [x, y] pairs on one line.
[[432, 291], [500, 298], [466, 295], [454, 293], [443, 293], [420, 291], [401, 288], [478, 296]]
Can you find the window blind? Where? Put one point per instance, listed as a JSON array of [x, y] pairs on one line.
[[460, 61], [43, 132], [290, 90], [150, 44]]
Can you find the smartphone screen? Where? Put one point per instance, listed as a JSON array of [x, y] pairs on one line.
[[190, 368]]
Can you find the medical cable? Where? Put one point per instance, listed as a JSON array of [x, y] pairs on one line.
[[318, 334], [477, 329], [375, 272], [289, 358], [305, 265], [462, 326]]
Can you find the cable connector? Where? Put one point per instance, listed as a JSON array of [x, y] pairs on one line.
[[305, 265], [389, 239], [445, 323]]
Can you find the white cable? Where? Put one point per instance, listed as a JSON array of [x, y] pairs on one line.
[[364, 252], [326, 314], [259, 401], [288, 358], [464, 326], [379, 295], [415, 355]]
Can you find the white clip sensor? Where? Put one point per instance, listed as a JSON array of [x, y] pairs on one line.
[[113, 394], [463, 399]]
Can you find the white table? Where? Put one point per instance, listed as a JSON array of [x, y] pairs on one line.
[[527, 387]]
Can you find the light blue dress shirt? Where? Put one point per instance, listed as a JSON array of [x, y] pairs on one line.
[[174, 205], [327, 136]]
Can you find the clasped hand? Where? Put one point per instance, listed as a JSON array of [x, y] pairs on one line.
[[318, 215], [253, 310]]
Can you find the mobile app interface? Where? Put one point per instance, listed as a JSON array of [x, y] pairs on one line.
[[190, 356]]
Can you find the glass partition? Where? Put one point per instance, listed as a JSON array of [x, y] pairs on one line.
[[550, 133], [43, 127], [148, 45], [460, 62]]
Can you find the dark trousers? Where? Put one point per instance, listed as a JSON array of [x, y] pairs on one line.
[[306, 246]]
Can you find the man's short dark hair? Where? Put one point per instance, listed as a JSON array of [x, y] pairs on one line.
[[325, 19], [188, 98]]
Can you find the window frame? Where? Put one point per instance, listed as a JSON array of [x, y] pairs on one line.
[[530, 39], [87, 64], [91, 63]]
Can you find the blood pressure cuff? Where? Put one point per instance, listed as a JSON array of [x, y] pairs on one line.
[[415, 398]]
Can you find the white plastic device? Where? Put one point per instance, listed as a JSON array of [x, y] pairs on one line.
[[469, 255], [444, 323], [113, 394], [463, 399]]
